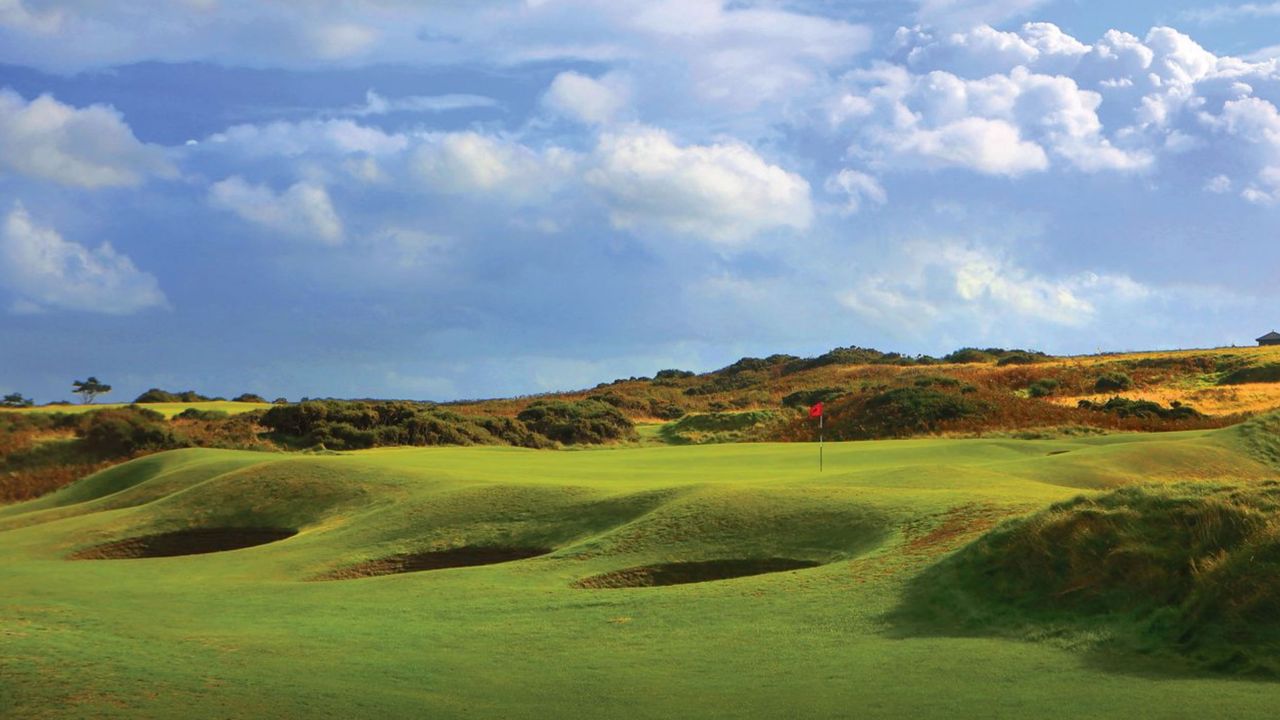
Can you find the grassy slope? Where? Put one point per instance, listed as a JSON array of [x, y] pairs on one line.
[[240, 633]]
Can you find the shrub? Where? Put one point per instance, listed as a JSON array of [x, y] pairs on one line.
[[198, 414], [1020, 357], [717, 427], [1260, 374], [126, 431], [344, 425], [1113, 382], [1142, 409], [665, 410], [1043, 387], [969, 355], [907, 410], [248, 398], [156, 395], [808, 398], [572, 423], [673, 374]]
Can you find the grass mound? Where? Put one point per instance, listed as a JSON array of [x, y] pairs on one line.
[[184, 542], [683, 573], [437, 560], [1191, 570]]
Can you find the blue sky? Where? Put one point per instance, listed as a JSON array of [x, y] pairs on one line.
[[384, 198]]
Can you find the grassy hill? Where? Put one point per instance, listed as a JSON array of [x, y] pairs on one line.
[[316, 621]]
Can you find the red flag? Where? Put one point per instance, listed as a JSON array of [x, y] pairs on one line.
[[816, 410]]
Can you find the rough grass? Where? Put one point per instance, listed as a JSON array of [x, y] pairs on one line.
[[1188, 570]]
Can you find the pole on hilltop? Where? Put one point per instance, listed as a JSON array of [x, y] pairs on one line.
[[820, 442]]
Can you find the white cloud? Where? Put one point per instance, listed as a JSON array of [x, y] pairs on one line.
[[586, 99], [1232, 13], [302, 211], [88, 147], [473, 163], [1218, 184], [291, 139], [1002, 124], [46, 271], [994, 147], [339, 41], [375, 104], [725, 192], [857, 188], [939, 282]]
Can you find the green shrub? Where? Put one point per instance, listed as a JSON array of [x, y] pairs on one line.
[[126, 431], [344, 425], [1261, 374], [1124, 408], [1043, 387], [969, 355], [673, 374], [580, 422], [808, 398], [156, 395], [198, 414], [909, 410], [1112, 382], [1020, 357], [719, 427], [249, 398]]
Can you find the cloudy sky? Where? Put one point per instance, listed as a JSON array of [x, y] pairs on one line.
[[392, 198]]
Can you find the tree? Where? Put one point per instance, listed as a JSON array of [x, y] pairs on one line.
[[16, 400], [89, 389]]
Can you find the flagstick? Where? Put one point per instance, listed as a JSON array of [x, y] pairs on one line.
[[820, 418]]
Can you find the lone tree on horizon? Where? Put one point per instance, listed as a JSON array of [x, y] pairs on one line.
[[16, 400], [90, 389]]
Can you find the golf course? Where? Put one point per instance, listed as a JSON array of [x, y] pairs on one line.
[[730, 580]]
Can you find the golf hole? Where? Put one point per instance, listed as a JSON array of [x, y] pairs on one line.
[[436, 560], [682, 573], [184, 542]]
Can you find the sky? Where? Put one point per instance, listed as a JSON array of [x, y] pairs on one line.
[[450, 200]]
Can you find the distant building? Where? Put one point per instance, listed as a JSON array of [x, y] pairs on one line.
[[1271, 338]]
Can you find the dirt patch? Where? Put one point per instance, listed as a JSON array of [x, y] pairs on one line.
[[437, 560], [681, 573], [184, 542]]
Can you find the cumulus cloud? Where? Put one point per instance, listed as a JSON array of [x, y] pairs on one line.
[[975, 286], [587, 99], [47, 272], [478, 164], [303, 211], [857, 188], [724, 192], [88, 147]]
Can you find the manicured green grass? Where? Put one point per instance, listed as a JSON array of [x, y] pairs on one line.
[[166, 409], [249, 633]]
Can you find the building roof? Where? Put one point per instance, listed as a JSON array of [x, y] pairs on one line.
[[1273, 335]]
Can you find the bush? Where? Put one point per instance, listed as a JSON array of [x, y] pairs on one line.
[[808, 398], [580, 422], [127, 431], [1043, 388], [349, 425], [1113, 382], [908, 410], [1261, 374], [249, 398], [673, 374], [156, 395], [1020, 357], [665, 410], [717, 427], [198, 414], [1142, 409], [969, 355]]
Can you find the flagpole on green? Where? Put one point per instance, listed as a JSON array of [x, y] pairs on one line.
[[820, 417]]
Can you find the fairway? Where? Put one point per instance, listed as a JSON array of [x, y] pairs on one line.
[[296, 626]]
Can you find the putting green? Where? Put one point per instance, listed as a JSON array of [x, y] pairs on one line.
[[446, 628]]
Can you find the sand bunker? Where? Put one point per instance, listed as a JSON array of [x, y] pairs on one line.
[[184, 542], [681, 573], [438, 560]]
